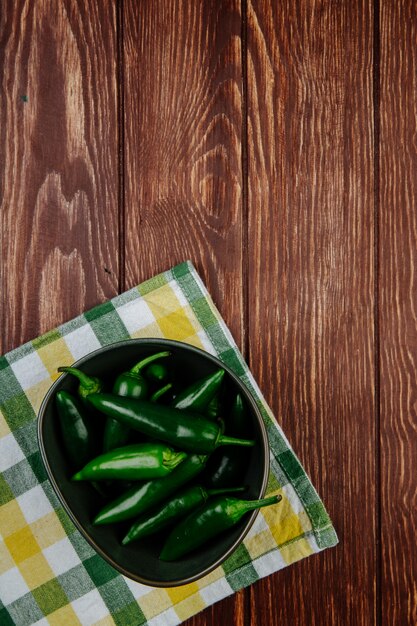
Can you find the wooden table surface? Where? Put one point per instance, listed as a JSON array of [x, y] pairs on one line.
[[274, 145]]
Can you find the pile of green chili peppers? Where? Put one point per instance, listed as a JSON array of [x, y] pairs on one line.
[[154, 442]]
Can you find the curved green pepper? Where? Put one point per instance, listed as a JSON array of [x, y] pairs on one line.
[[79, 436], [129, 384], [140, 461], [141, 498], [227, 464], [189, 431], [169, 512], [210, 520], [197, 396]]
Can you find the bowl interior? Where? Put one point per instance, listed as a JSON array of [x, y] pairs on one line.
[[139, 560]]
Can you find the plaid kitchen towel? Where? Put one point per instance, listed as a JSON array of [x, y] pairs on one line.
[[48, 573]]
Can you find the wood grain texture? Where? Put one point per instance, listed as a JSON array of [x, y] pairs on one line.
[[183, 176], [311, 284], [59, 138], [183, 120], [398, 310], [239, 134]]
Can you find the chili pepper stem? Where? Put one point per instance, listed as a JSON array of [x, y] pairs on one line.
[[172, 459], [224, 440], [237, 509], [149, 359], [88, 383], [160, 392]]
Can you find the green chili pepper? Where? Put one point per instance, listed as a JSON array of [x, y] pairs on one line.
[[197, 396], [169, 512], [133, 384], [140, 461], [115, 435], [160, 392], [210, 520], [141, 498], [189, 431], [129, 384], [156, 372], [227, 464], [79, 436], [88, 384]]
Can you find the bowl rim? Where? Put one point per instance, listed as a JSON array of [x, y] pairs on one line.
[[264, 442]]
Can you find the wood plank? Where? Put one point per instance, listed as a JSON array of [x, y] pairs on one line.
[[311, 284], [183, 120], [59, 211], [398, 315], [183, 177]]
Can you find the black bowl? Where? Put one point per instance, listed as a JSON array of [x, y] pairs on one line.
[[139, 560]]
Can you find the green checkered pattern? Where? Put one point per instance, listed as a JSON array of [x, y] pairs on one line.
[[48, 573]]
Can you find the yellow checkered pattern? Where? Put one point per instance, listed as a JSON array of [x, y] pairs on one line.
[[48, 574]]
